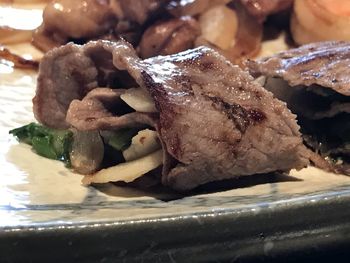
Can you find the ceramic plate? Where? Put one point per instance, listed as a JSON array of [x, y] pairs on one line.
[[46, 214]]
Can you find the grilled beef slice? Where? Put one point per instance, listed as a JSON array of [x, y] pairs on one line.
[[102, 109], [314, 80], [213, 120]]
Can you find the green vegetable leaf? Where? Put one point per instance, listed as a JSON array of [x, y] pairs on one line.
[[47, 142], [42, 146], [122, 139]]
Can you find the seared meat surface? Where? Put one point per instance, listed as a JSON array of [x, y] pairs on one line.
[[214, 122], [325, 64], [314, 81]]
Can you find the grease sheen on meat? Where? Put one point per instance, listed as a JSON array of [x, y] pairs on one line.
[[214, 122], [326, 64], [314, 80]]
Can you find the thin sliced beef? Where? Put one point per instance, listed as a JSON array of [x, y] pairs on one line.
[[97, 111], [326, 64], [64, 75], [314, 81], [320, 102], [70, 72], [214, 121]]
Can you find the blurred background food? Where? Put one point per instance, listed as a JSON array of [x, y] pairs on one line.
[[154, 27], [18, 20], [320, 20], [236, 28]]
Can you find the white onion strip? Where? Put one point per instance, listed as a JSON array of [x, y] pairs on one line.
[[126, 172]]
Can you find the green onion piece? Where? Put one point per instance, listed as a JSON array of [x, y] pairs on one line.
[[122, 139], [42, 146], [47, 142]]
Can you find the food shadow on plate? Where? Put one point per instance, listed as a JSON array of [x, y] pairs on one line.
[[148, 186]]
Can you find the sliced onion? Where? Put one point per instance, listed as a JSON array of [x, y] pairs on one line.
[[260, 81], [144, 143], [139, 99], [126, 172], [87, 151], [248, 37], [320, 20], [18, 61], [247, 42], [219, 26]]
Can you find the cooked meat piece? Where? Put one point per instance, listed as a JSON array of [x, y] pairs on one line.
[[64, 75], [140, 11], [263, 8], [169, 37], [321, 102], [45, 41], [314, 81], [96, 112], [334, 110], [214, 122], [83, 20], [65, 20], [326, 64], [134, 16], [78, 19], [69, 73], [330, 132]]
